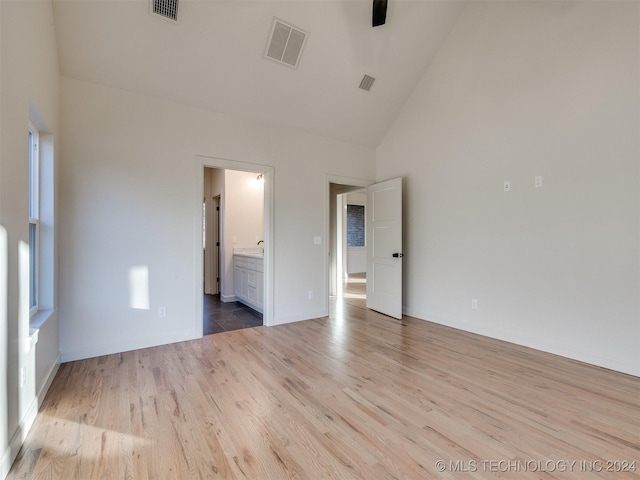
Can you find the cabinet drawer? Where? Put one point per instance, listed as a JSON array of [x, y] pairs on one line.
[[240, 261]]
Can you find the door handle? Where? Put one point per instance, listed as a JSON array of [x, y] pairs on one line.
[[398, 255]]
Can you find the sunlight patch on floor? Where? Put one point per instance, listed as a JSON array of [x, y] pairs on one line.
[[66, 437], [354, 295], [356, 280]]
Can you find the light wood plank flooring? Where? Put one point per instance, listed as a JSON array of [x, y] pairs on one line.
[[353, 396]]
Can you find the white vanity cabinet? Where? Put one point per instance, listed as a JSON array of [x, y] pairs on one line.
[[248, 280]]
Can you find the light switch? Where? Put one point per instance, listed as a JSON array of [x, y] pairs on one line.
[[507, 186]]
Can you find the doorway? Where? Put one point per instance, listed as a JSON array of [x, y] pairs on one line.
[[352, 244], [233, 232], [225, 216], [347, 265], [384, 255], [211, 241]]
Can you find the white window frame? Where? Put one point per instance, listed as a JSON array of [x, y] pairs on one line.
[[34, 218]]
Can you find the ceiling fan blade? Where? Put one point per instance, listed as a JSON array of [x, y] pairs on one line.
[[379, 12]]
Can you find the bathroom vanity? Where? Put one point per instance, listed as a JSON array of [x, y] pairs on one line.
[[248, 274]]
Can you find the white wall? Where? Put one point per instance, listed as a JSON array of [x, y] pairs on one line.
[[217, 181], [243, 214], [29, 81], [356, 260], [522, 89], [127, 200]]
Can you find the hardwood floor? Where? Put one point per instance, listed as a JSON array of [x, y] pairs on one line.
[[353, 396], [355, 286]]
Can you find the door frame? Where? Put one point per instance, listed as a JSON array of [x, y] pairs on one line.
[[211, 250], [268, 172], [217, 239], [331, 225]]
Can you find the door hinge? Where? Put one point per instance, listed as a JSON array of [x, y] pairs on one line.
[[217, 244], [217, 208], [218, 279]]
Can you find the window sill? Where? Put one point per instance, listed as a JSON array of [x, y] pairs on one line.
[[39, 319]]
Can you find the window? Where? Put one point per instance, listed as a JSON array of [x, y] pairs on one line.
[[355, 226], [41, 211], [34, 217]]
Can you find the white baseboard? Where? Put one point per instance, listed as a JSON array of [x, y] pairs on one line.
[[11, 452], [128, 345], [228, 298], [292, 319], [7, 460], [567, 351], [18, 438], [51, 374]]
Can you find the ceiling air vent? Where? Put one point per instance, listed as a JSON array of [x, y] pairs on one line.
[[165, 8], [285, 43], [367, 83]]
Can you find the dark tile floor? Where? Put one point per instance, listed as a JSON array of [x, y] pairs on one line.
[[224, 317]]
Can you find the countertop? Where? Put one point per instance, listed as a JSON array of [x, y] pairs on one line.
[[253, 252]]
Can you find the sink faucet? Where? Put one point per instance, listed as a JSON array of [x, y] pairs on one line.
[[261, 241]]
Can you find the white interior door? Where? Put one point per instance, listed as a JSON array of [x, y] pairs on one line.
[[384, 247]]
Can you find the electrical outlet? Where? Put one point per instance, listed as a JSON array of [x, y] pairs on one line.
[[537, 181], [310, 295], [162, 311], [474, 303], [317, 240], [507, 186]]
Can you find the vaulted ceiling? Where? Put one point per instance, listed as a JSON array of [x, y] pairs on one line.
[[213, 57]]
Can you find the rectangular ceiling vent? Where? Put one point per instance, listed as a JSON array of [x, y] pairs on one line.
[[367, 83], [165, 8], [285, 43]]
